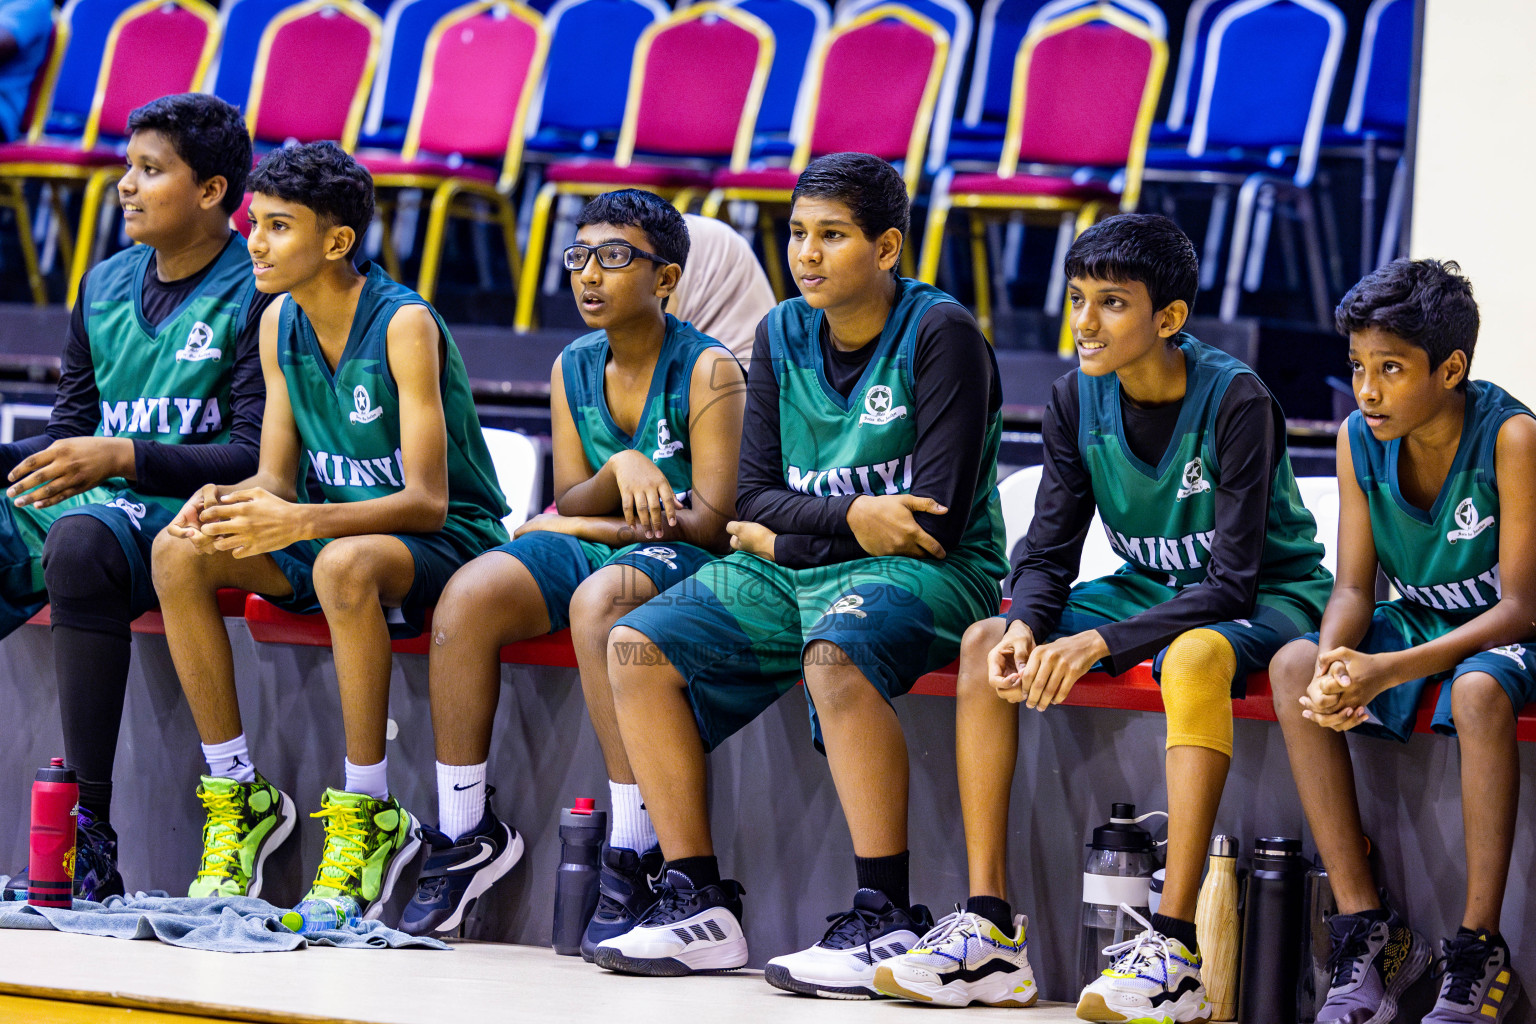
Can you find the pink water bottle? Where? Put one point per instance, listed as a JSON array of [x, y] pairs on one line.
[[55, 807]]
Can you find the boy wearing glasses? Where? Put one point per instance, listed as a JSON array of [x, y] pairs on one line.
[[646, 420], [366, 393]]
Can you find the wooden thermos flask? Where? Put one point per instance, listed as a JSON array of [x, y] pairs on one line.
[[1216, 928]]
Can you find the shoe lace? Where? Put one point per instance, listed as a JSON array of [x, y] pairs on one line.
[[346, 844], [1462, 966], [1347, 951], [852, 927], [946, 928], [1148, 950], [221, 834]]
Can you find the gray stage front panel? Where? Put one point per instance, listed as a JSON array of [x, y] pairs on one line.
[[777, 824]]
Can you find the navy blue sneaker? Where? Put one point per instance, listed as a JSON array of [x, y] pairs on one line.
[[625, 891], [96, 875], [688, 930], [456, 873]]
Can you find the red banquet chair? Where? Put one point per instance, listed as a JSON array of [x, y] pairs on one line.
[[154, 48], [694, 92], [481, 67], [1097, 58], [313, 71], [873, 90]]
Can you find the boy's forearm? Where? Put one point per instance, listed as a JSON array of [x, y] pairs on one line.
[[693, 527], [1346, 619], [1508, 622], [404, 511], [598, 495]]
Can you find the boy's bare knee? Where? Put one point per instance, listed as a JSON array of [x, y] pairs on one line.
[[632, 660], [346, 575], [175, 562], [836, 685], [1291, 671], [980, 638], [1478, 702], [596, 605]]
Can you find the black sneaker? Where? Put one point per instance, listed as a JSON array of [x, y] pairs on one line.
[[96, 875], [842, 965], [1372, 963], [456, 873], [688, 930], [625, 891], [1479, 986]]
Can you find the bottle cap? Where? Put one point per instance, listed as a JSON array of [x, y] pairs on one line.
[[1224, 846], [1122, 834], [56, 762], [1276, 846], [584, 805]]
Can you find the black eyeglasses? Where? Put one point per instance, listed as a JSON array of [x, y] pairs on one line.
[[610, 256]]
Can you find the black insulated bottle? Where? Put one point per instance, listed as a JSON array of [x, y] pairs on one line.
[[1273, 924]]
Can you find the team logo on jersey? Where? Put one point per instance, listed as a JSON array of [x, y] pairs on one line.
[[1514, 652], [366, 412], [196, 349], [1467, 523], [661, 554], [877, 407], [134, 510], [1194, 480], [665, 446], [848, 604]]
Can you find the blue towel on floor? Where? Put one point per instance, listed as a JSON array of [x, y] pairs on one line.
[[229, 924]]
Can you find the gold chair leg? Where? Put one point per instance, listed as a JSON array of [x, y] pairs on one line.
[[13, 198], [712, 203], [773, 260], [385, 210], [506, 216], [62, 229], [1066, 348], [933, 240], [528, 286], [90, 222], [432, 244], [981, 271], [684, 199]]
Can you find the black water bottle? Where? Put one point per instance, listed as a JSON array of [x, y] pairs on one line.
[[1273, 923], [582, 831]]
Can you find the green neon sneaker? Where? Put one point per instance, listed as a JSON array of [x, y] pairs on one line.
[[246, 822], [368, 843]]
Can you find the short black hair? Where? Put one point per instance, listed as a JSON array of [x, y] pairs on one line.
[[1144, 247], [870, 187], [323, 177], [633, 207], [1425, 302], [207, 133]]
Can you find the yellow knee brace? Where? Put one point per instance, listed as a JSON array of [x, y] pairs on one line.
[[1197, 690]]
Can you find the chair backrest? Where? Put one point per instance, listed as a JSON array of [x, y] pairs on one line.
[[717, 57], [407, 25], [86, 26], [481, 66], [40, 94], [874, 88], [583, 35], [1186, 80], [313, 69], [1320, 494], [1379, 98], [243, 23], [799, 26], [1000, 32], [1095, 58], [1016, 495], [1269, 70], [519, 470], [1146, 10], [156, 48], [956, 19]]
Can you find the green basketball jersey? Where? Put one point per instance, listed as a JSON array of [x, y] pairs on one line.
[[662, 433], [349, 419], [1446, 558], [1162, 519], [171, 383], [864, 444]]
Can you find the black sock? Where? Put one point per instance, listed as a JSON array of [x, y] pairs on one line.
[[886, 874], [1376, 914], [993, 909], [96, 797], [1172, 927], [701, 871]]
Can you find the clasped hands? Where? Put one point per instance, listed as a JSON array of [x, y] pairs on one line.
[[1038, 675], [1343, 685], [245, 522]]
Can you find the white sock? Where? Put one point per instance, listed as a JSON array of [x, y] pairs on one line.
[[460, 797], [230, 760], [632, 828], [369, 779]]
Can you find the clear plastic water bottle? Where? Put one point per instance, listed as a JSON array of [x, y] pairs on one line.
[[323, 915], [1118, 874]]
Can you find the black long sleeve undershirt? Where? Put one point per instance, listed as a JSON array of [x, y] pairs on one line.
[[953, 367], [1248, 448], [170, 469]]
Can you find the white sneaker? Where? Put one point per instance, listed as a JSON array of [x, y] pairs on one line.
[[1154, 980], [689, 930], [964, 960], [842, 964]]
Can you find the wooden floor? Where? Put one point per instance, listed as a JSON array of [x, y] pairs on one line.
[[51, 978]]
